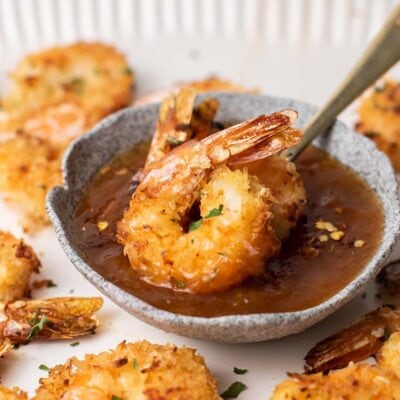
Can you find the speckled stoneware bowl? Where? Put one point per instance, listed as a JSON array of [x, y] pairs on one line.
[[126, 128]]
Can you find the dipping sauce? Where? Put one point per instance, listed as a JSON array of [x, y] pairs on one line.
[[311, 267]]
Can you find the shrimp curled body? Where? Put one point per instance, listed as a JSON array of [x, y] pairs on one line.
[[234, 235]]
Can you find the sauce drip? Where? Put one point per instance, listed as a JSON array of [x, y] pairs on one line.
[[307, 271]]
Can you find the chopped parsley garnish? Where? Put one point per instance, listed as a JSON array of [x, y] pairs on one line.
[[135, 364], [174, 141], [44, 367], [215, 212], [37, 324], [195, 225], [127, 71], [114, 397], [51, 284], [239, 371], [74, 344], [386, 334], [234, 390], [179, 284], [76, 85]]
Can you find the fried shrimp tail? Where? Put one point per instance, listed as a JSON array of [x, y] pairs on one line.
[[56, 318], [357, 342], [233, 236]]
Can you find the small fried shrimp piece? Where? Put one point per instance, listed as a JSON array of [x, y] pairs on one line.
[[357, 381], [12, 394], [17, 263], [132, 371], [212, 84], [95, 76], [233, 237], [379, 119], [55, 318], [29, 167], [357, 342]]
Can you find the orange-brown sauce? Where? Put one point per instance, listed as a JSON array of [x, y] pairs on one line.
[[306, 272]]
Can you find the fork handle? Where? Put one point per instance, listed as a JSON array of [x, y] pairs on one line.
[[382, 53]]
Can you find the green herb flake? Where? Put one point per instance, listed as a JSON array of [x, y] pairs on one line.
[[76, 85], [239, 371], [179, 284], [195, 225], [44, 367], [51, 284], [37, 325], [74, 344], [386, 334], [215, 212], [174, 141], [224, 255], [192, 240], [135, 364], [127, 71], [234, 390], [114, 397], [97, 70]]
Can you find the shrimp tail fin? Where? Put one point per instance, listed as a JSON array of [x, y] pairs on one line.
[[251, 135], [355, 343]]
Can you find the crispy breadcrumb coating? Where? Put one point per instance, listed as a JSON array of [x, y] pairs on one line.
[[17, 262], [12, 394], [357, 381], [132, 371], [95, 76], [379, 119], [29, 167], [212, 84]]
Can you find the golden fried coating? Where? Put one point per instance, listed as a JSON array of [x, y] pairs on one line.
[[12, 394], [132, 371], [212, 84], [17, 263], [95, 76], [29, 167], [379, 119], [357, 381]]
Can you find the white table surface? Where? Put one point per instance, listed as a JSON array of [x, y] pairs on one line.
[[284, 47]]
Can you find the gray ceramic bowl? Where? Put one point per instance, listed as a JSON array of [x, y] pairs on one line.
[[124, 129]]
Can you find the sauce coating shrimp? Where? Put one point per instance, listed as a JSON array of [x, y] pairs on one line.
[[234, 235]]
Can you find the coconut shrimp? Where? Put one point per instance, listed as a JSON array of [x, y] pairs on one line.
[[379, 119], [17, 263], [55, 318], [357, 342], [356, 381], [94, 76], [212, 84], [233, 236], [275, 172], [132, 371]]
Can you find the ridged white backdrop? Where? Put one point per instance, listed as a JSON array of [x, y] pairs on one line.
[[293, 48]]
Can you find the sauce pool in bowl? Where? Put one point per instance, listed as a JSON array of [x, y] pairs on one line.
[[311, 267]]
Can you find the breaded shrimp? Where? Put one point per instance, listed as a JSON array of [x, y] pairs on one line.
[[357, 381], [234, 235], [92, 75], [212, 84], [12, 394], [55, 318], [178, 123], [17, 263], [133, 371], [29, 167], [379, 119]]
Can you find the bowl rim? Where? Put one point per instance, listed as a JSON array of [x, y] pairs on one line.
[[149, 312]]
